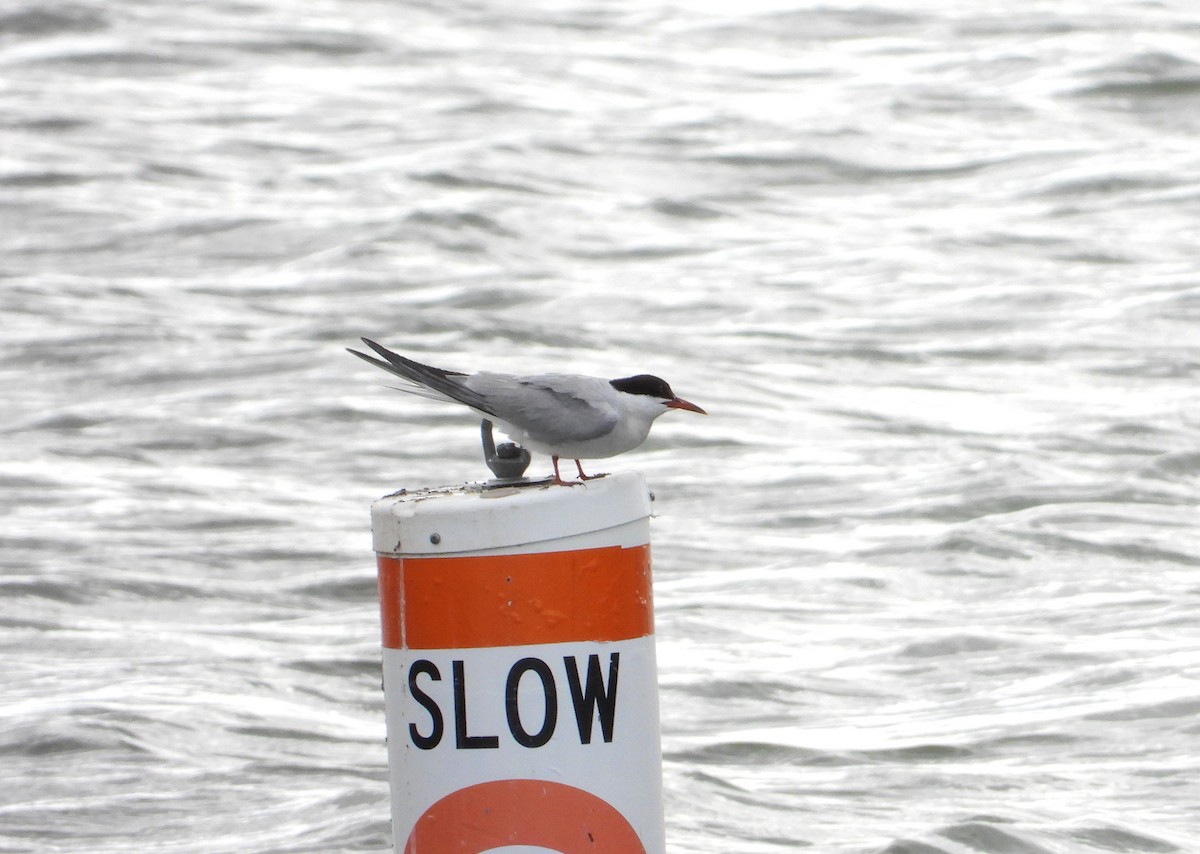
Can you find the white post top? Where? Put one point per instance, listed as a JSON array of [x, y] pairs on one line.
[[613, 510]]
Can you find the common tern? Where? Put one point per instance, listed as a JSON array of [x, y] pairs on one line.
[[567, 416]]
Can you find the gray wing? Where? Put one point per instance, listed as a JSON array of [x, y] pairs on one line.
[[446, 384], [544, 408]]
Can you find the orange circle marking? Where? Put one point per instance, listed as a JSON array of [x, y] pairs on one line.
[[522, 812]]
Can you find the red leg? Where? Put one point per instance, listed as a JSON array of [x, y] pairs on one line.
[[558, 477], [583, 476]]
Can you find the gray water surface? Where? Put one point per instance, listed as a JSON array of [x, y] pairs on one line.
[[927, 578]]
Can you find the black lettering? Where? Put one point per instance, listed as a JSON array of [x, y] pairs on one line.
[[438, 727], [461, 740], [594, 699], [549, 692]]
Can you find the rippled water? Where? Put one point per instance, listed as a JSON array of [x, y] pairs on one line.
[[927, 578]]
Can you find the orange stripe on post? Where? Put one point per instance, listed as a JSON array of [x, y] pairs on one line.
[[599, 594]]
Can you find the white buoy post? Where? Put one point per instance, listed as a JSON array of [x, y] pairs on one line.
[[519, 668]]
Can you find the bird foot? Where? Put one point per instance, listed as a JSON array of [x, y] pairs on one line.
[[582, 479], [583, 476]]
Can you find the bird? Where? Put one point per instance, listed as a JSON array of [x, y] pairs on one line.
[[566, 416]]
